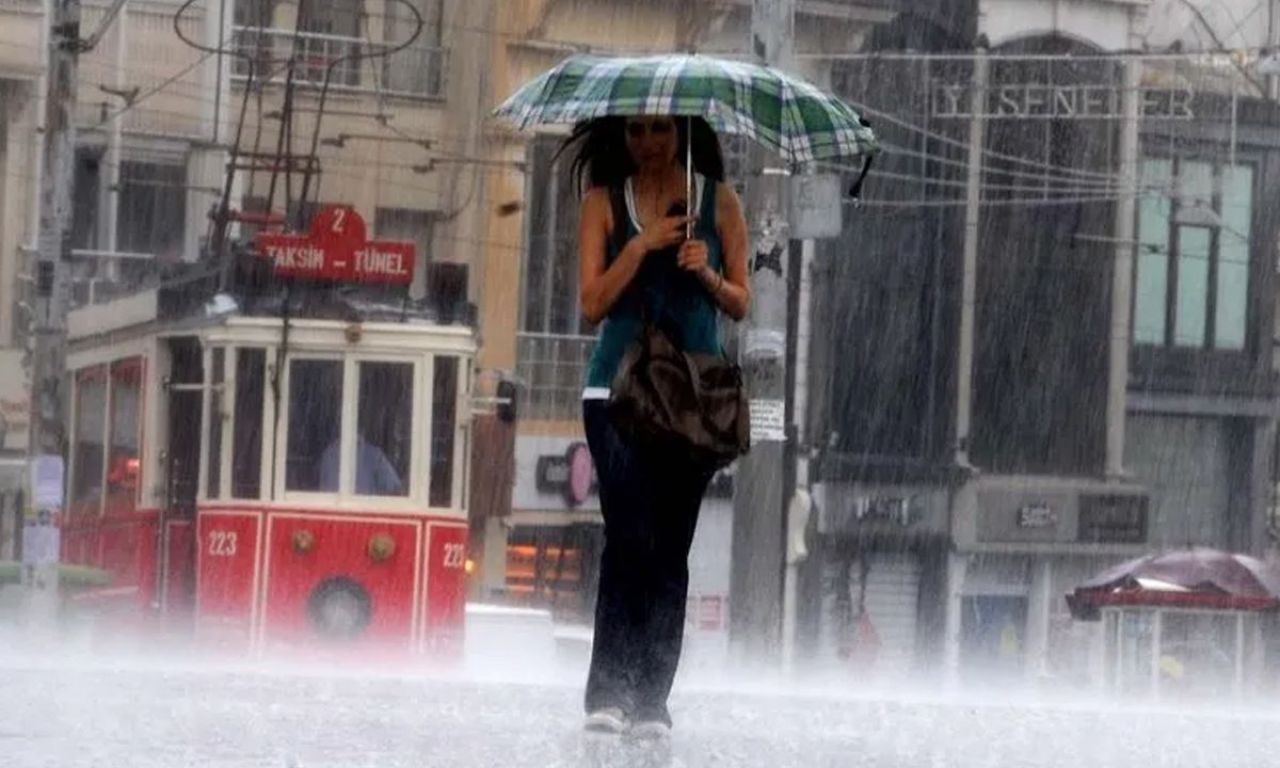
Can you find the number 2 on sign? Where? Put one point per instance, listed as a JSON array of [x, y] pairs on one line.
[[454, 555], [339, 216], [222, 543]]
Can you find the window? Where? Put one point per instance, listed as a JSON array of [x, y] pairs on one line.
[[555, 341], [246, 453], [336, 29], [444, 420], [418, 69], [217, 406], [123, 460], [409, 226], [86, 202], [315, 426], [88, 455], [153, 209], [336, 17], [383, 429], [551, 271], [1192, 287], [258, 13]]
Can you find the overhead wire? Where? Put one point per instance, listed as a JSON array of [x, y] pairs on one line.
[[1078, 177], [1064, 174]]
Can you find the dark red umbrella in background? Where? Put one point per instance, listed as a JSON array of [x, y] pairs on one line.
[[1186, 578]]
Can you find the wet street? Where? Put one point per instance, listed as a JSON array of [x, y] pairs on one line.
[[92, 714]]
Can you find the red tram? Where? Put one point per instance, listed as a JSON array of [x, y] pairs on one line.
[[275, 461]]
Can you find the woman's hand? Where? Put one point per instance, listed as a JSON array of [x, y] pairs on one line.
[[664, 233], [693, 256]]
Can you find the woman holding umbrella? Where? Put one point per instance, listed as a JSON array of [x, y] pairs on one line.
[[662, 243], [636, 261]]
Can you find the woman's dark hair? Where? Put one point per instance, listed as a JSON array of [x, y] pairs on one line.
[[602, 158]]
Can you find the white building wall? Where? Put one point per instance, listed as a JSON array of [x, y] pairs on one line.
[[1108, 25]]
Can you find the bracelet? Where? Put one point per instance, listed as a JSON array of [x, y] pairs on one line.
[[715, 292]]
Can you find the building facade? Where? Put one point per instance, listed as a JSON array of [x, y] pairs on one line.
[[962, 494], [182, 104]]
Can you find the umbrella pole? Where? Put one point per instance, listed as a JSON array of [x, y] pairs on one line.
[[688, 176]]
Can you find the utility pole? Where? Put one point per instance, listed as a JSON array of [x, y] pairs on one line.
[[964, 498], [1122, 271], [759, 515], [46, 448], [47, 443]]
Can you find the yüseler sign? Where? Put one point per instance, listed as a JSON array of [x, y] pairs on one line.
[[1040, 101], [337, 249]]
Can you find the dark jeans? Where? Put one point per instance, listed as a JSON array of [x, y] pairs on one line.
[[650, 506]]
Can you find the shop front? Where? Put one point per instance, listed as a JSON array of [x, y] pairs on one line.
[[870, 602], [1029, 540]]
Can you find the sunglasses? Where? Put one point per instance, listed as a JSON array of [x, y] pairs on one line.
[[637, 130]]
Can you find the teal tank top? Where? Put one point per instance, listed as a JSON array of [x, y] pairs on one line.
[[677, 301]]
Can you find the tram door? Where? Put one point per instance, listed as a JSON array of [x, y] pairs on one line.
[[184, 389]]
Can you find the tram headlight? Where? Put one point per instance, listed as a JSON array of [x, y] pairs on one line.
[[340, 608], [381, 547]]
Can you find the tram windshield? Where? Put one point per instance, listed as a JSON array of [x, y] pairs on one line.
[[383, 429], [315, 425], [350, 424]]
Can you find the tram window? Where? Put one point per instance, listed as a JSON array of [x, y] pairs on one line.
[[246, 454], [444, 419], [383, 429], [91, 407], [315, 425], [123, 461], [213, 477]]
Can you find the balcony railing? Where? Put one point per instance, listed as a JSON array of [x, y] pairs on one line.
[[552, 367], [415, 72]]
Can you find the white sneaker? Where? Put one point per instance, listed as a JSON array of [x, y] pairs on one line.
[[650, 729], [607, 720]]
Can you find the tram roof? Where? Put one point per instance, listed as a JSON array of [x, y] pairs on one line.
[[191, 297]]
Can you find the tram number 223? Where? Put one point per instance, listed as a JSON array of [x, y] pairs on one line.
[[222, 543], [454, 555]]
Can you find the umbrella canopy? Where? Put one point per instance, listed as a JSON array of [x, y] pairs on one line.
[[1188, 578], [793, 117]]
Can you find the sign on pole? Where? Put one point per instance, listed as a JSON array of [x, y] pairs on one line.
[[41, 537], [815, 207]]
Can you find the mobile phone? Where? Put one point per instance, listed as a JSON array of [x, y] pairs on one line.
[[678, 208]]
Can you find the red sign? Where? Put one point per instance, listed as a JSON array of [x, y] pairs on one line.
[[337, 249], [581, 474]]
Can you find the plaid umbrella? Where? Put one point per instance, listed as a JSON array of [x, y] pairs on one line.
[[792, 117]]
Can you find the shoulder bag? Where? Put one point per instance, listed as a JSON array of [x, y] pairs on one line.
[[668, 399]]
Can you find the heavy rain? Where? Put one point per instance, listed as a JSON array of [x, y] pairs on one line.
[[639, 383]]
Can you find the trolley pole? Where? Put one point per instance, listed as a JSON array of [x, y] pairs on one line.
[[47, 443], [759, 508]]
